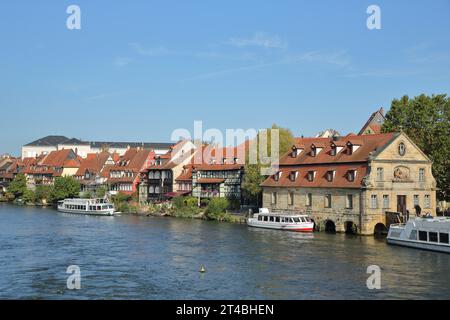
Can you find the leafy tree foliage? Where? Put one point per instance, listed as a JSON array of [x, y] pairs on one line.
[[253, 178], [65, 187], [426, 120], [18, 186]]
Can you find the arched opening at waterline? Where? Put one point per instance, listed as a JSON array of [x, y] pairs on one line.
[[330, 227], [351, 228], [380, 229]]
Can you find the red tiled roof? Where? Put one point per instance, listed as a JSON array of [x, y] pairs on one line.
[[368, 144], [340, 179], [94, 162], [59, 158], [186, 175]]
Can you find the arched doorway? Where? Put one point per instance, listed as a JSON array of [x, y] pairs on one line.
[[380, 229], [330, 227], [351, 228]]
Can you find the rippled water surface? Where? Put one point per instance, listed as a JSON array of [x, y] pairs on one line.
[[132, 257]]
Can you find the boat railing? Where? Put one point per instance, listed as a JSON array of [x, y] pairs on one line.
[[397, 225]]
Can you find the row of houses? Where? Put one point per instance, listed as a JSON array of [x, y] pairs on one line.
[[342, 182]]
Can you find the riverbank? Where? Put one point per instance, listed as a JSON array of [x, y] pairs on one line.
[[162, 210]]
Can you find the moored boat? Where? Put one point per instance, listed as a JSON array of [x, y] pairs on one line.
[[97, 207], [279, 221], [427, 233]]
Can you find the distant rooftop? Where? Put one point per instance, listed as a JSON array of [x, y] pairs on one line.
[[54, 141], [49, 141]]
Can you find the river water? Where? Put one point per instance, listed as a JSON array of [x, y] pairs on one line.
[[130, 257]]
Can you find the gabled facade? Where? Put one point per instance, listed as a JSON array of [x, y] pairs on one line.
[[374, 124], [90, 172], [352, 181], [124, 175], [44, 169], [9, 167], [220, 174], [158, 180]]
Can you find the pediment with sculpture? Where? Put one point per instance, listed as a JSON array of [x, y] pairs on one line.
[[401, 174]]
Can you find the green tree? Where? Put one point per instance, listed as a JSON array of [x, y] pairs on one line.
[[18, 186], [44, 193], [216, 208], [65, 187], [426, 120], [253, 178], [29, 196], [101, 191]]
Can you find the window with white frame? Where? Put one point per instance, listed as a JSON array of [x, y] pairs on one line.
[[349, 201], [374, 201], [274, 198], [386, 201], [380, 174], [421, 174], [427, 202]]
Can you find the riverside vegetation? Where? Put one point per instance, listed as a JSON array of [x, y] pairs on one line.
[[68, 187]]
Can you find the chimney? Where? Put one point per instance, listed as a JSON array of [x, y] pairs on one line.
[[382, 111]]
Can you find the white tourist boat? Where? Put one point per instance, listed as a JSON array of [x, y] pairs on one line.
[[287, 222], [428, 233], [97, 207]]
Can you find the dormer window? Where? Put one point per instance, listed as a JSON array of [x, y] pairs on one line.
[[351, 175], [236, 160], [296, 152], [277, 176], [330, 176], [310, 176], [315, 150], [333, 151], [293, 175], [351, 148], [224, 160]]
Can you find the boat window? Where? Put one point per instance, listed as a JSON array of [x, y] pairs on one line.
[[277, 219], [413, 235], [297, 220], [259, 218], [266, 218], [271, 219], [443, 238], [423, 236], [433, 236]]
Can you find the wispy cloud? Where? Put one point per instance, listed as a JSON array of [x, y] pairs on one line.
[[424, 53], [153, 51], [260, 39], [122, 61], [230, 71], [338, 58], [381, 73]]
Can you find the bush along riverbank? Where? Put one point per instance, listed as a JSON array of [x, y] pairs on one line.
[[215, 209]]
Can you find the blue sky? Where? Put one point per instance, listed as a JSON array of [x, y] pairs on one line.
[[137, 70]]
